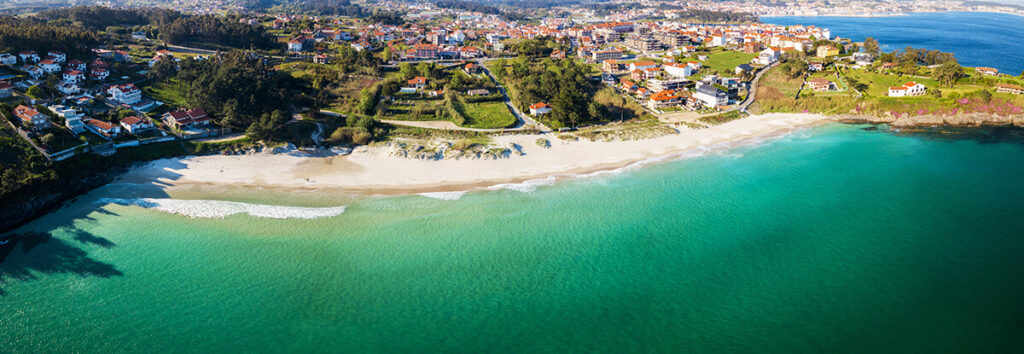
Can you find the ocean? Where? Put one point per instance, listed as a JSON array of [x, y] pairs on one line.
[[977, 38], [838, 238]]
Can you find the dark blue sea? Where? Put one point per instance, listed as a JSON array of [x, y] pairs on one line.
[[978, 38]]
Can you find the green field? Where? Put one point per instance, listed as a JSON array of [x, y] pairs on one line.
[[726, 62], [488, 115], [169, 92]]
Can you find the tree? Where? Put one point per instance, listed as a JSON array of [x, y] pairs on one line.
[[425, 69], [1022, 74], [985, 96], [407, 70], [47, 139], [948, 73], [36, 92], [871, 46]]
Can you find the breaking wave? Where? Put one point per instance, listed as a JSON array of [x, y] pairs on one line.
[[218, 209], [527, 186], [444, 195]]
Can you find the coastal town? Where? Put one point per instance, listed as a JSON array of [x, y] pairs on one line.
[[511, 176], [436, 81]]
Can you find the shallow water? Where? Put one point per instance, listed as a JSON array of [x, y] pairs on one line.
[[836, 238]]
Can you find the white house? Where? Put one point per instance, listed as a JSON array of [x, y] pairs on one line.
[[710, 95], [99, 73], [74, 76], [908, 89], [34, 71], [8, 59], [56, 56], [295, 45], [127, 94], [29, 56], [72, 117], [678, 70], [30, 116], [863, 59], [103, 128], [540, 108], [135, 124], [418, 82], [768, 55], [642, 65], [68, 88], [49, 66], [76, 65]]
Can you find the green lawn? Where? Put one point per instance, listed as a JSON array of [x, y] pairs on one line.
[[488, 115], [726, 62], [168, 92]]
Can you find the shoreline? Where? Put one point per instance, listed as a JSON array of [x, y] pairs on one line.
[[896, 14], [370, 171]]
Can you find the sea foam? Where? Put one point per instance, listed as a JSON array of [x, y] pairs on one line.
[[527, 186], [444, 195], [218, 209]]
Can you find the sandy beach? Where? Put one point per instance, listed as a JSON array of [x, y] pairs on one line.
[[372, 170]]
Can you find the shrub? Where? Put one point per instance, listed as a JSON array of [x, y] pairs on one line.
[[463, 145], [544, 143]]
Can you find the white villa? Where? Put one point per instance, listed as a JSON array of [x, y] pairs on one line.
[[908, 89]]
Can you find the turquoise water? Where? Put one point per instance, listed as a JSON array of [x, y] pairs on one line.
[[977, 38], [836, 239]]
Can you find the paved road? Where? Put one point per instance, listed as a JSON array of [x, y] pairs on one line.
[[446, 125], [521, 118], [693, 117], [752, 92]]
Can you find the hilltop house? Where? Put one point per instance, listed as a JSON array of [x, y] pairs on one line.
[[819, 85], [418, 82], [31, 118], [1010, 88], [987, 71], [540, 108], [126, 94], [908, 89]]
